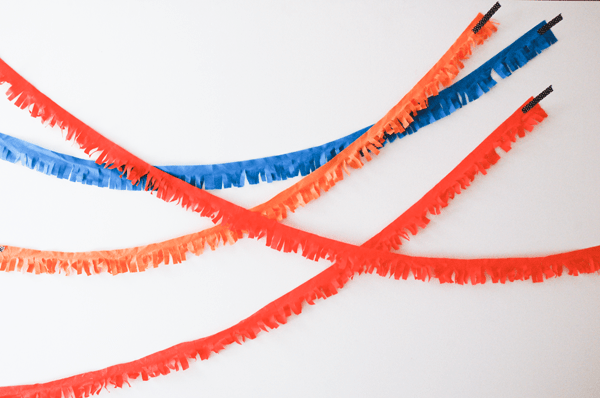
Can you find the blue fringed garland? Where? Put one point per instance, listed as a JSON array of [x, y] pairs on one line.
[[282, 167]]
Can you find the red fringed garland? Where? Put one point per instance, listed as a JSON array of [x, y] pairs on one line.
[[324, 285], [478, 161]]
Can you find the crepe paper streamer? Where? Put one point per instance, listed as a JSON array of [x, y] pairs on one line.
[[486, 17], [550, 24], [285, 166], [322, 286], [273, 168], [481, 159], [237, 219], [139, 259], [537, 99], [212, 176]]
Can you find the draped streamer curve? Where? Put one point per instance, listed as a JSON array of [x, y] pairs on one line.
[[276, 313], [478, 161], [209, 177]]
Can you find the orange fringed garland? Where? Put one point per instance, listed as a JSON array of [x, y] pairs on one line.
[[135, 259], [395, 121]]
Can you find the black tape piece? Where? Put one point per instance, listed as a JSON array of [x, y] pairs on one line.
[[550, 24], [537, 99], [486, 17]]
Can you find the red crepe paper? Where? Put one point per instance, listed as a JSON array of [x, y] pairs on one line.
[[324, 285], [479, 160]]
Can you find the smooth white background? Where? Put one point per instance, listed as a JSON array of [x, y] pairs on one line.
[[201, 82]]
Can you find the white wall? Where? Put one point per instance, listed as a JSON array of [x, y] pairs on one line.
[[188, 82]]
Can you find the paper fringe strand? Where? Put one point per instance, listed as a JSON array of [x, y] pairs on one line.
[[281, 167], [209, 177], [478, 161], [324, 285]]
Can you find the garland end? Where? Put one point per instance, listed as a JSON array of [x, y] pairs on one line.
[[550, 24], [486, 17], [537, 99]]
